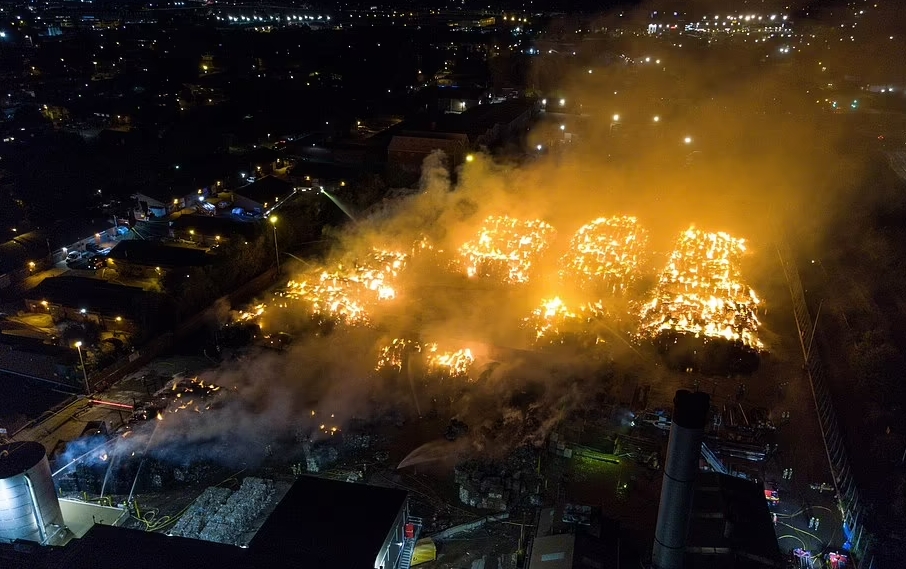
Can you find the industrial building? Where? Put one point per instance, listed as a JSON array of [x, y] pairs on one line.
[[141, 258], [316, 523], [110, 306], [713, 519]]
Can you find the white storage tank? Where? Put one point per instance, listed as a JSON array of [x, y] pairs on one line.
[[29, 508]]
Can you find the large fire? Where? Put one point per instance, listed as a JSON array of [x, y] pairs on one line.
[[701, 292], [444, 363], [606, 254], [393, 355], [347, 292], [454, 364], [553, 320], [505, 248]]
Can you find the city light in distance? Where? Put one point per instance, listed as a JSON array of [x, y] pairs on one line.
[[616, 117], [657, 118], [687, 140]]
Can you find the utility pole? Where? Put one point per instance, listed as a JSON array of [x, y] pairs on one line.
[[78, 346], [273, 221]]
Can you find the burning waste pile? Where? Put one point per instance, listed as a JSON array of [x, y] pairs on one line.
[[606, 254], [554, 322], [437, 362], [345, 293], [701, 294], [604, 260], [506, 248], [596, 291]]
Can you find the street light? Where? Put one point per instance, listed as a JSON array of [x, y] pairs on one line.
[[273, 220], [616, 118], [78, 347], [687, 140], [657, 118], [469, 157]]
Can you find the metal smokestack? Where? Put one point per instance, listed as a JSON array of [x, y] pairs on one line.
[[690, 414]]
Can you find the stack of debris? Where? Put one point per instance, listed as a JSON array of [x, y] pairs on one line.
[[577, 514], [318, 457], [357, 441], [192, 522], [456, 429], [493, 484], [223, 516]]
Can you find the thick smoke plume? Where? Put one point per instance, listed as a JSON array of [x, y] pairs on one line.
[[721, 156]]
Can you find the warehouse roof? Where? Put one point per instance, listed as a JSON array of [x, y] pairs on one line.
[[731, 525], [154, 254], [318, 517], [265, 189], [223, 225], [95, 295], [108, 547], [318, 523]]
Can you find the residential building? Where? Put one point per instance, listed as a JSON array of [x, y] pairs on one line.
[[408, 150], [259, 197]]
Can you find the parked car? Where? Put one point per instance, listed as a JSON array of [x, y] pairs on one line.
[[73, 256]]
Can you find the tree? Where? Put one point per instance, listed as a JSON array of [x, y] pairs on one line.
[[875, 360], [366, 191]]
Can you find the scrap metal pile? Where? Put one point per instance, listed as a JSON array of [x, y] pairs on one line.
[[605, 255], [505, 248], [223, 516], [700, 292], [495, 484]]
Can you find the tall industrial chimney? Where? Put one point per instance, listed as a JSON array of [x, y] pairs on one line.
[[690, 414]]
